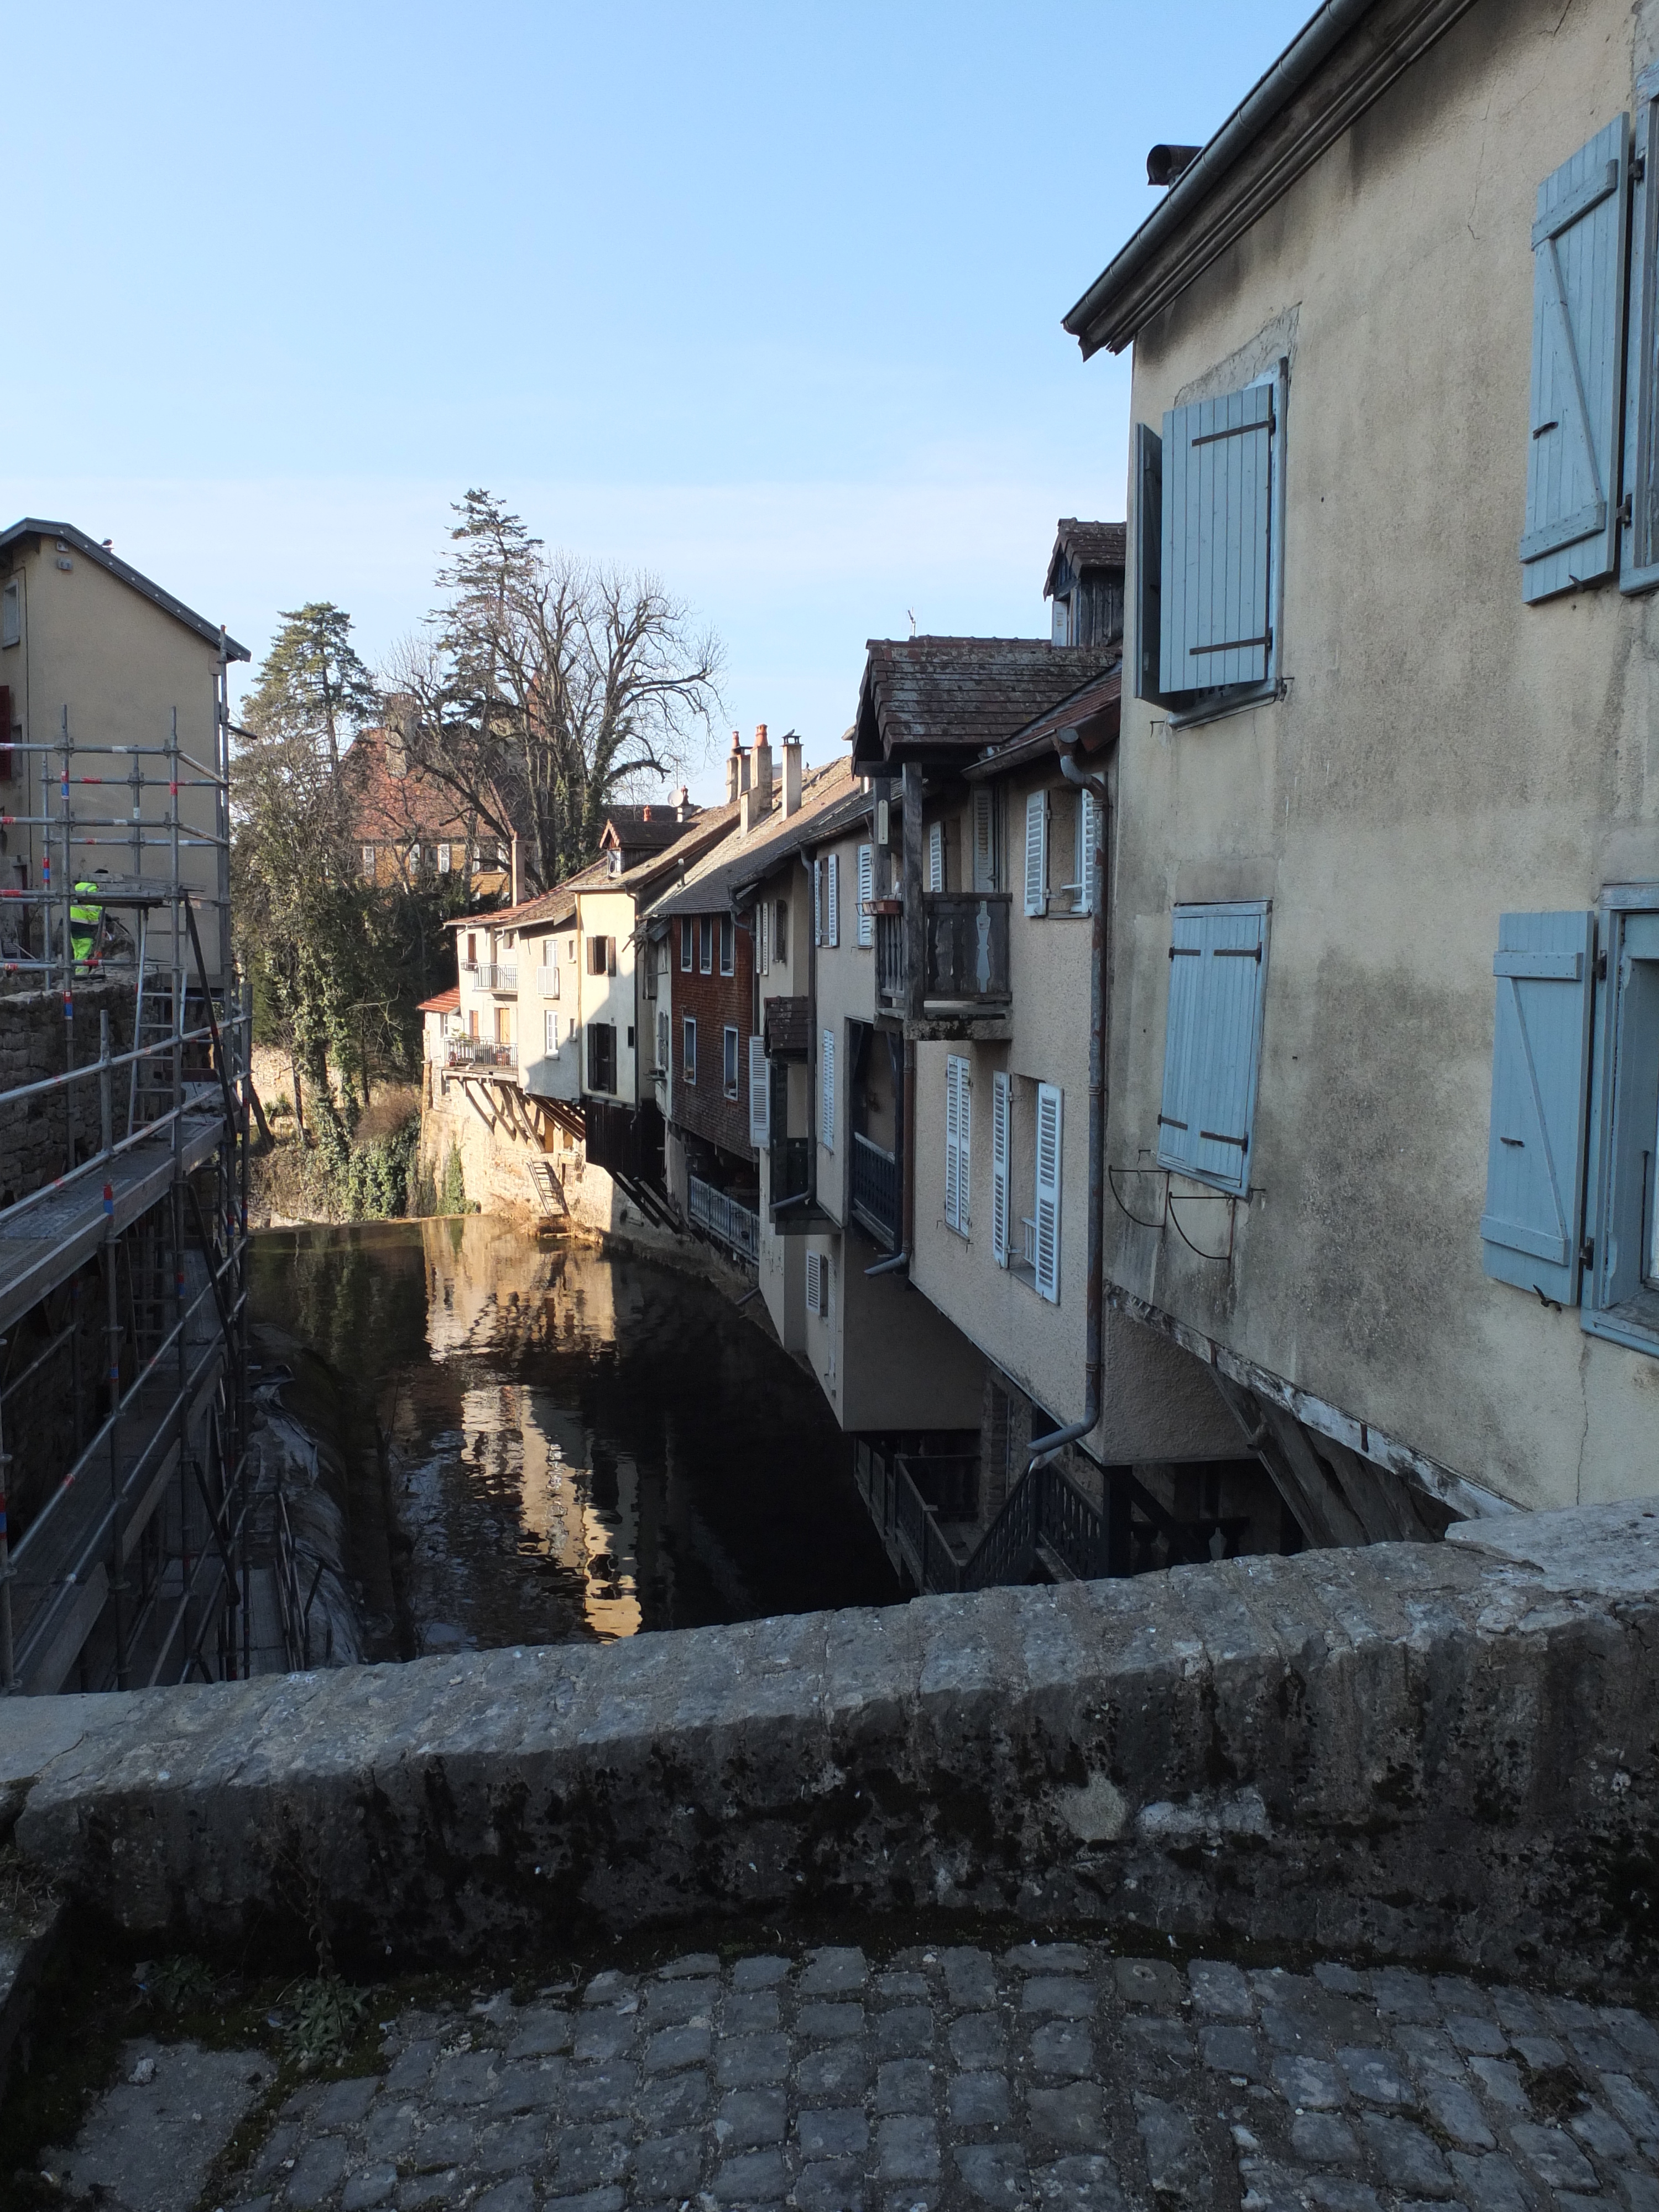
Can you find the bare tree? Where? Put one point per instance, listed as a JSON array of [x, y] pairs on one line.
[[547, 687]]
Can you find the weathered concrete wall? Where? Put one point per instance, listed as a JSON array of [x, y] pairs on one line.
[[1440, 1753]]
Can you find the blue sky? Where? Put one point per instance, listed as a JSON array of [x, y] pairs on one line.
[[766, 300]]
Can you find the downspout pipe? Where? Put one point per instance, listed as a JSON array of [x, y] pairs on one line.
[[1044, 1448], [893, 1265]]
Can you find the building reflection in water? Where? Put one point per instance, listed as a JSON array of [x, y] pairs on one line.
[[577, 1448]]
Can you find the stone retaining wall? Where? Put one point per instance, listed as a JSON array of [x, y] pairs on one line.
[[1442, 1753], [37, 1135]]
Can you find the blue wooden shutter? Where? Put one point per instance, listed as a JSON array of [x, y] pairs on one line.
[[1149, 561], [1037, 853], [866, 894], [1047, 1208], [1212, 1043], [1638, 566], [827, 1093], [1577, 368], [1217, 533], [1000, 1152], [1540, 1101]]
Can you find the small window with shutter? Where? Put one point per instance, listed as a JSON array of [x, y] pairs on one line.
[[867, 895], [1037, 853], [958, 1125], [1212, 1041]]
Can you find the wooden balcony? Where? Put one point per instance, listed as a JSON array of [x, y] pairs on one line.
[[965, 945]]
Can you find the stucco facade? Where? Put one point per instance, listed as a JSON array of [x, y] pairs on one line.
[[1440, 753]]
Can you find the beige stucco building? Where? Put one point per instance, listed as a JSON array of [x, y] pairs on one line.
[[1385, 848]]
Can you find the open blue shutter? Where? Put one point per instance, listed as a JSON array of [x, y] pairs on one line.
[[1217, 529], [1000, 1152], [1047, 1208], [1577, 368], [1212, 1043], [1149, 561], [1639, 565], [1540, 1101]]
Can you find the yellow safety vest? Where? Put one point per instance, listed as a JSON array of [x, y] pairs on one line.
[[84, 920]]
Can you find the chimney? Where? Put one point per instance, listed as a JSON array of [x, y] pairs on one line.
[[791, 774], [762, 776], [737, 767], [682, 802], [515, 868], [749, 811]]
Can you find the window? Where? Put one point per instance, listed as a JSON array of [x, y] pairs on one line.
[[414, 858], [1209, 525], [760, 1095], [601, 955], [444, 854], [1037, 853], [472, 1021], [503, 1025], [1046, 1211], [827, 1092], [471, 949], [685, 945], [1072, 818], [1212, 1041], [958, 1118], [369, 859], [706, 943], [601, 1056], [1001, 1159], [780, 934], [984, 836], [817, 1284], [550, 1031], [832, 899], [689, 1049], [866, 894], [1060, 632], [11, 613], [728, 944], [729, 1061], [936, 856], [662, 1041]]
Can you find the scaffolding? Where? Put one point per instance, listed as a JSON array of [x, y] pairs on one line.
[[125, 1508]]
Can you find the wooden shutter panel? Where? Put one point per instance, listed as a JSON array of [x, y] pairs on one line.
[[778, 1125], [985, 854], [760, 1095], [827, 1090], [1540, 1101], [1000, 1117], [832, 899], [1037, 853], [1218, 528], [1048, 1191], [1577, 366], [1638, 568], [936, 856], [1087, 841], [1212, 1041], [1149, 561], [817, 902], [814, 1283], [866, 894], [952, 1161]]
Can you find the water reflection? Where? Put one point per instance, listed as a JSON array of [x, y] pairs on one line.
[[578, 1447]]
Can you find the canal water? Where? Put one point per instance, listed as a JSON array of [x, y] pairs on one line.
[[568, 1446]]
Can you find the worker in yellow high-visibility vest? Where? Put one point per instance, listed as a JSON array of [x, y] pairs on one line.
[[85, 922]]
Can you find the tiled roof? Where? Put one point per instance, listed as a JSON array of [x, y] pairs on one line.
[[1086, 545], [740, 861], [648, 829], [390, 809], [552, 906], [1092, 710], [209, 633], [445, 1003], [936, 696]]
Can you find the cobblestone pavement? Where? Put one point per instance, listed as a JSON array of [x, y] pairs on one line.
[[1051, 2073]]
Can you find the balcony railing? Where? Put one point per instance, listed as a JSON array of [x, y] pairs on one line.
[[724, 1218], [876, 1191], [498, 978], [965, 942], [480, 1052]]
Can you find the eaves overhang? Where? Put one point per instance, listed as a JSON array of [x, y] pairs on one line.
[[209, 633], [1342, 60]]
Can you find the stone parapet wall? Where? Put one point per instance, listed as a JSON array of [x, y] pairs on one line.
[[38, 1135], [1443, 1753]]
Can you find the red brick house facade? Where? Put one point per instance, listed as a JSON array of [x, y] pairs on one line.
[[712, 987]]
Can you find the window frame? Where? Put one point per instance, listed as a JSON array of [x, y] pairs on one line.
[[689, 1050], [729, 1056], [1632, 1318], [11, 613], [728, 946], [685, 944], [705, 944], [595, 1032], [1260, 911]]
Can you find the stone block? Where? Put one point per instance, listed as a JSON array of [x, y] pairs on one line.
[[833, 1972], [970, 1977], [667, 2166], [749, 2117], [978, 2100], [907, 2149], [832, 2132], [904, 2085]]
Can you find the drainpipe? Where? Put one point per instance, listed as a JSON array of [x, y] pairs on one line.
[[1044, 1448]]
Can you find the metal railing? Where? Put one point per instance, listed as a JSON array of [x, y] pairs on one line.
[[723, 1217], [1046, 1511], [876, 1192], [503, 975], [479, 1052]]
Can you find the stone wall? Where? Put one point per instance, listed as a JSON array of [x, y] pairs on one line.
[[37, 1135], [1437, 1752]]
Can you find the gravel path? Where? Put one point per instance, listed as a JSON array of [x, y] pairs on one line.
[[1051, 2073]]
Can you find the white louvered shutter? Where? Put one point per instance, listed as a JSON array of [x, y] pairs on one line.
[[952, 1144], [826, 1100], [1037, 853], [1048, 1191], [964, 1134], [760, 1095], [817, 902], [814, 1283], [1088, 839], [866, 894], [832, 896], [985, 856], [999, 1134], [936, 856]]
